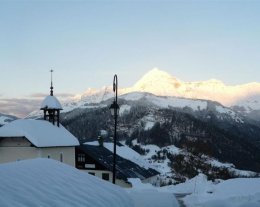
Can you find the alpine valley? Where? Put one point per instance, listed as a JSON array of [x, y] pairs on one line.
[[181, 128]]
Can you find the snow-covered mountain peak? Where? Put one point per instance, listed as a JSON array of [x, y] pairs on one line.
[[157, 82], [156, 73], [161, 83]]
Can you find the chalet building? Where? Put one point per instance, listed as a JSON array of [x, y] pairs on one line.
[[98, 161], [27, 139]]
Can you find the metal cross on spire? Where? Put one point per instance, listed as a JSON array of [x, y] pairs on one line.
[[51, 93]]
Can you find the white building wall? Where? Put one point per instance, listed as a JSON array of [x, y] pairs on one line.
[[15, 149], [11, 154], [98, 173], [64, 154]]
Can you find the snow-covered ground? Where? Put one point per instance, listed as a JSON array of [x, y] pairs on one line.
[[46, 182]]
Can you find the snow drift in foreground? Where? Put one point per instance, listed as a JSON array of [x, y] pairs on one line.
[[45, 182]]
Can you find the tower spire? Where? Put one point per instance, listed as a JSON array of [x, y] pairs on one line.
[[51, 107], [51, 93]]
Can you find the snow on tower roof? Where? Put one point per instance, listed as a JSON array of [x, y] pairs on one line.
[[40, 133], [46, 182], [51, 102]]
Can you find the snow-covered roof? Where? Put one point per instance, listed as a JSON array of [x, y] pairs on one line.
[[124, 152], [125, 168], [39, 132], [46, 182], [51, 102]]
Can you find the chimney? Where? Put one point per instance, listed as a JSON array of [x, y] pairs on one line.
[[100, 141]]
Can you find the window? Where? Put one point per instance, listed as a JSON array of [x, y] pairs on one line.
[[61, 157], [91, 173], [105, 176], [81, 157]]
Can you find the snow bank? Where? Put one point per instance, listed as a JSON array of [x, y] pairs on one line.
[[45, 182]]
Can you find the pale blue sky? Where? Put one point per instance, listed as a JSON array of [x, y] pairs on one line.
[[87, 42]]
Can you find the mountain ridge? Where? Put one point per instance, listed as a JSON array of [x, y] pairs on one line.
[[161, 83], [244, 98]]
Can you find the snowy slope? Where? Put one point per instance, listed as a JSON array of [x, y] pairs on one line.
[[45, 182], [162, 165], [249, 104], [165, 102]]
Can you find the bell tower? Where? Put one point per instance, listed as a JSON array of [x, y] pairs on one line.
[[51, 107]]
